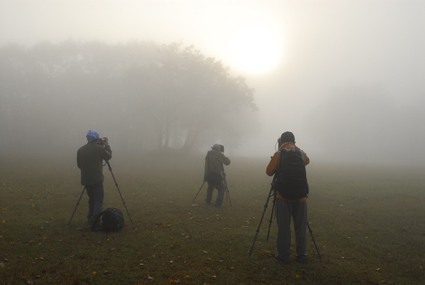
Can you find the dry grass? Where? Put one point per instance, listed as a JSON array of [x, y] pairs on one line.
[[367, 221]]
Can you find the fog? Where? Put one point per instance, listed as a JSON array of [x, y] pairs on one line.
[[347, 79]]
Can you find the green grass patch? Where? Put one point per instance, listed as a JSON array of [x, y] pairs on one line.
[[367, 221]]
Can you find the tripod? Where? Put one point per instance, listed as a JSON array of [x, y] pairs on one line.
[[226, 189], [198, 192], [116, 184], [262, 216], [271, 218]]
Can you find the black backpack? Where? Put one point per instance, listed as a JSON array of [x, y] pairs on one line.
[[112, 220], [291, 177]]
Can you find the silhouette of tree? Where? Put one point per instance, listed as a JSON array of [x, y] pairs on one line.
[[143, 95]]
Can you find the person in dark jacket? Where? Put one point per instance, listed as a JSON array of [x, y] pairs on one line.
[[214, 173], [288, 208], [89, 161]]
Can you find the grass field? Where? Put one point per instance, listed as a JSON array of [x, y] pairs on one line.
[[367, 220]]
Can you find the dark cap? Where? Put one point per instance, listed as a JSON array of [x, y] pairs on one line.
[[287, 137]]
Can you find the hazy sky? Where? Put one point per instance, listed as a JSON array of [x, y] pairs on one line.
[[344, 76]]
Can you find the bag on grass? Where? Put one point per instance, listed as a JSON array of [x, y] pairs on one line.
[[291, 180], [112, 220]]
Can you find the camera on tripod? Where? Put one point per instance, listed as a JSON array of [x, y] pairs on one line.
[[102, 140]]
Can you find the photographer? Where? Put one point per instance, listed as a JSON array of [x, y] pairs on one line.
[[291, 193], [213, 173], [89, 161]]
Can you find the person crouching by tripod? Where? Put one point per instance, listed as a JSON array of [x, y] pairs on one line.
[[89, 161], [291, 189], [213, 173]]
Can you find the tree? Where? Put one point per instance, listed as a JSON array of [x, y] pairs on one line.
[[142, 95], [188, 95]]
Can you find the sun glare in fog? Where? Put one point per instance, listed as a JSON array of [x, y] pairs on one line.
[[255, 50]]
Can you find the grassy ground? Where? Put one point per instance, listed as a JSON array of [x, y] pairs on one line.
[[368, 223]]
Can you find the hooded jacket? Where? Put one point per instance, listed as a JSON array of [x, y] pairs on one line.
[[214, 162], [89, 160]]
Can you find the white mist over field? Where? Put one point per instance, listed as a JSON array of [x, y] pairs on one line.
[[346, 77]]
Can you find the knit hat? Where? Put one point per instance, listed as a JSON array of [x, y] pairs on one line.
[[287, 137], [91, 136], [216, 147]]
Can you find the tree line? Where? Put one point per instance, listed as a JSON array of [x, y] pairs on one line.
[[143, 95]]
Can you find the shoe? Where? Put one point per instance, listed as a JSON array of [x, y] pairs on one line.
[[208, 203], [97, 227], [219, 205], [301, 258], [286, 260]]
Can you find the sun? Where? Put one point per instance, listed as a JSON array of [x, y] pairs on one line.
[[255, 50]]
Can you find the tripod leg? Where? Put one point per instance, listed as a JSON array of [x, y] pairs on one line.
[[77, 204], [116, 184], [271, 217], [311, 232], [227, 189], [261, 220], [198, 192]]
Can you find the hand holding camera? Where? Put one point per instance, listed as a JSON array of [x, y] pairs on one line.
[[103, 141]]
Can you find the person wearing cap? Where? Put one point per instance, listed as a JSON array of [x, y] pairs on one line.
[[213, 174], [287, 208], [89, 161]]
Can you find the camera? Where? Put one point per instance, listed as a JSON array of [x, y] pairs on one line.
[[102, 140]]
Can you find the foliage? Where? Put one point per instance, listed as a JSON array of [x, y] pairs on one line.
[[367, 222], [186, 94], [142, 95]]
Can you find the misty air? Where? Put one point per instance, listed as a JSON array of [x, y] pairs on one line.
[[211, 142]]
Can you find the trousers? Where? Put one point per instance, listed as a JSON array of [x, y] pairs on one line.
[[219, 185], [95, 193], [285, 211]]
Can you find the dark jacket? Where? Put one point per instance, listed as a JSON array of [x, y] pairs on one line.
[[89, 160], [214, 162]]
